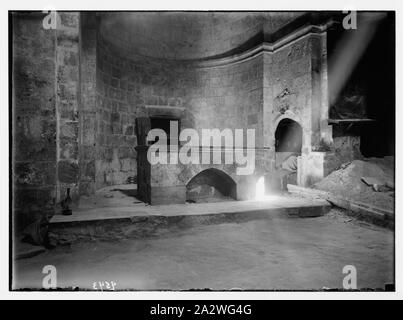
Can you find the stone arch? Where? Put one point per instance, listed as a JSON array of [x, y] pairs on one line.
[[287, 115], [211, 185], [194, 169]]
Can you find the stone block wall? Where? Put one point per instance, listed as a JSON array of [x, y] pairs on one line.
[[288, 89], [67, 48], [255, 93], [33, 118], [295, 87], [229, 96], [124, 88], [88, 108], [45, 112]]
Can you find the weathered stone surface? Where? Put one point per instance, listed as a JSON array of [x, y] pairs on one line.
[[67, 103], [90, 169], [87, 188], [87, 152], [68, 171], [34, 123], [34, 173], [123, 88], [68, 148], [69, 130]]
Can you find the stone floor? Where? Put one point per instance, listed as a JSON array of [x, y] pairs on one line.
[[273, 253]]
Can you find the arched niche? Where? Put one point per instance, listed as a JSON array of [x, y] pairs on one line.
[[211, 185]]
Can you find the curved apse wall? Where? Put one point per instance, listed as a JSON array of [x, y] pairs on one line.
[[124, 87], [188, 35], [228, 96], [197, 62]]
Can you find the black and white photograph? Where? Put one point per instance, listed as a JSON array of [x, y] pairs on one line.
[[202, 150]]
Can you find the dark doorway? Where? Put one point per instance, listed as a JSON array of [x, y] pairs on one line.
[[288, 136], [163, 123], [288, 147]]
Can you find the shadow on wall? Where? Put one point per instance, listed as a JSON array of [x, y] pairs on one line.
[[211, 185]]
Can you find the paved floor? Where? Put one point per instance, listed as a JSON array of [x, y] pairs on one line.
[[275, 253]]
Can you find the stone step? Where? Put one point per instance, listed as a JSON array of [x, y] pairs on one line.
[[98, 222]]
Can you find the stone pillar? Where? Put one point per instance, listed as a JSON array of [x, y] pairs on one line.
[[311, 163], [67, 101], [321, 131], [268, 105]]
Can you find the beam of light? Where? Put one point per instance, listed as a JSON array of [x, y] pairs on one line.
[[349, 51], [261, 195], [260, 189]]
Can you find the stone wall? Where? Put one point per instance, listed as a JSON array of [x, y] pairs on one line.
[[33, 118], [295, 87], [67, 104], [124, 88], [254, 93], [288, 89], [230, 96], [88, 108], [45, 113]]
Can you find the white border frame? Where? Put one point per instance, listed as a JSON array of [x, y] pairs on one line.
[[290, 5]]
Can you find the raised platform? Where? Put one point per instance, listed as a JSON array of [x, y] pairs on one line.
[[293, 206]]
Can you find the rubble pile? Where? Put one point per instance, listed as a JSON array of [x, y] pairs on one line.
[[370, 181]]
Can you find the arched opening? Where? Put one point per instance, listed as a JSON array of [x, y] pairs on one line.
[[288, 140], [211, 185], [288, 145], [288, 136]]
